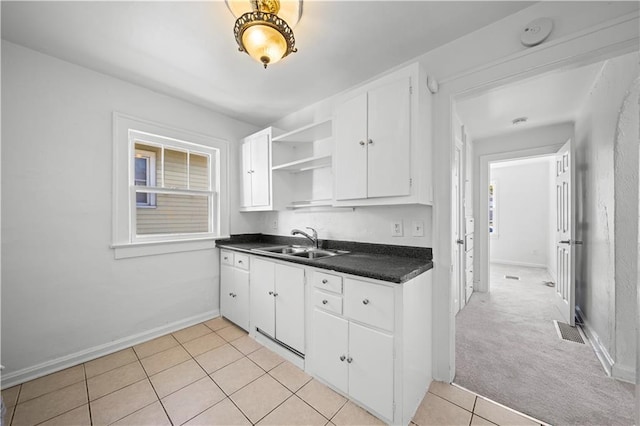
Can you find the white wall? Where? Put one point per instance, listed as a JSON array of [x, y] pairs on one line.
[[522, 209], [605, 291], [63, 294]]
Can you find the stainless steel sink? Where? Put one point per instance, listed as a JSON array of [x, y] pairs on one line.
[[299, 251], [318, 254]]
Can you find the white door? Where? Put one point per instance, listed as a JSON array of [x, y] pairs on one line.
[[246, 173], [262, 289], [565, 234], [350, 158], [260, 170], [371, 368], [330, 346], [226, 291], [389, 140], [457, 282], [289, 297], [241, 298]]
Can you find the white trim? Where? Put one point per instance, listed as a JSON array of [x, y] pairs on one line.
[[89, 354], [516, 263], [625, 373], [601, 352], [151, 248]]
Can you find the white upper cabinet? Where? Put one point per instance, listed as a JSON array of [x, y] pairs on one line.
[[256, 171], [382, 151], [373, 141]]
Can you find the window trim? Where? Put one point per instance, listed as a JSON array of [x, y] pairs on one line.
[[123, 236]]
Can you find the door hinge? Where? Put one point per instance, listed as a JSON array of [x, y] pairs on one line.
[[411, 90], [410, 181]]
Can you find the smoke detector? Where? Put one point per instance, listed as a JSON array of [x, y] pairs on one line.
[[536, 32]]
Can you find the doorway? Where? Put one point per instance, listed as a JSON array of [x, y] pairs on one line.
[[510, 351]]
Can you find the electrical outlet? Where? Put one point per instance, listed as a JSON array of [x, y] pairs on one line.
[[396, 228], [417, 228], [274, 224]]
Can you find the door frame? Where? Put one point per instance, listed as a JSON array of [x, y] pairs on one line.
[[605, 40], [484, 240]]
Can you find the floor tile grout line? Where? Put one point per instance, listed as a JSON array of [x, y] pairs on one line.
[[312, 407], [15, 406], [86, 382], [451, 402], [46, 393], [154, 389], [40, 396], [110, 370]]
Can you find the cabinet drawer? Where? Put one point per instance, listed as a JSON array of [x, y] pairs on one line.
[[468, 242], [226, 257], [468, 259], [326, 301], [241, 261], [327, 282], [369, 303]]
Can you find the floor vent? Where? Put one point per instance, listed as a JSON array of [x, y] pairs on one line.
[[566, 332], [511, 277]]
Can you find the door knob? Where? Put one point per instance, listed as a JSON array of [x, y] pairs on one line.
[[365, 302]]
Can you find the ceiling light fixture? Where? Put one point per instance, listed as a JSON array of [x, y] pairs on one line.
[[261, 33]]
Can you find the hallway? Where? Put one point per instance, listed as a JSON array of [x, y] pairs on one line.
[[507, 349]]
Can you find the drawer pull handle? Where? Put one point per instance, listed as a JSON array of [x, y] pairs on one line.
[[365, 302], [325, 301], [324, 281], [349, 360], [342, 357]]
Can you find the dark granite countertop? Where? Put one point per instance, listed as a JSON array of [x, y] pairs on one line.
[[384, 262]]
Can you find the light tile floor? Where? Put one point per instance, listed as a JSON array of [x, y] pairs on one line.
[[215, 374]]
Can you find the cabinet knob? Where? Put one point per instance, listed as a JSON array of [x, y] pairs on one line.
[[342, 357], [361, 143], [270, 293], [231, 294], [234, 295], [324, 281], [370, 142], [225, 258], [349, 360], [365, 302], [275, 294], [325, 301], [240, 261]]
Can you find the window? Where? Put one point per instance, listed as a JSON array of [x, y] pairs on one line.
[[145, 175], [170, 186], [493, 223]]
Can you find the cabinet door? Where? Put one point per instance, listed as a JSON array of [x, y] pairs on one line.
[[226, 289], [241, 300], [350, 162], [330, 342], [261, 170], [371, 368], [389, 144], [290, 306], [246, 173], [262, 300]]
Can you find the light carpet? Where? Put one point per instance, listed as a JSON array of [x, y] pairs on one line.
[[507, 349]]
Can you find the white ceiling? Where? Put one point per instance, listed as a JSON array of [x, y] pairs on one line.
[[187, 49], [555, 97]]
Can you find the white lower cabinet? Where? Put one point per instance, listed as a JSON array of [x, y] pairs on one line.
[[277, 301], [356, 360], [234, 288], [370, 340]]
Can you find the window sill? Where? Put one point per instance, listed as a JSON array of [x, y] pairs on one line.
[[153, 248]]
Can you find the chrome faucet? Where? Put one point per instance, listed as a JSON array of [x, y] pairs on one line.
[[313, 239]]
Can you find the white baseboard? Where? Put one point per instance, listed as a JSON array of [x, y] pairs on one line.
[[515, 263], [48, 367], [625, 373], [596, 344]]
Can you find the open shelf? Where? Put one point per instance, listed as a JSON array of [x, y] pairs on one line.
[[309, 133], [305, 164]]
